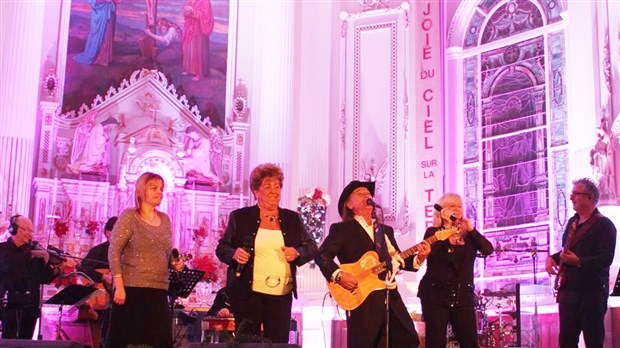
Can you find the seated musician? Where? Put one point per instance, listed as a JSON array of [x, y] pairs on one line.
[[96, 267], [221, 305], [218, 311]]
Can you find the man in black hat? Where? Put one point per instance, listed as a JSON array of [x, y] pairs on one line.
[[349, 240]]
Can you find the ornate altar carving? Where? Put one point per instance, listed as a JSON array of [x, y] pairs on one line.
[[91, 158]]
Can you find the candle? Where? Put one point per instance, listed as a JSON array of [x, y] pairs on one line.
[[240, 200], [54, 193], [217, 209], [78, 212], [193, 205], [105, 202]]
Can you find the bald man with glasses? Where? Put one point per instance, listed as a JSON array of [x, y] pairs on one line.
[[582, 269], [23, 269]]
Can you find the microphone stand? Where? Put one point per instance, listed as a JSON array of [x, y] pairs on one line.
[[388, 267]]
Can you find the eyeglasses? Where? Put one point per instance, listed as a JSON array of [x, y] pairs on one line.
[[579, 193]]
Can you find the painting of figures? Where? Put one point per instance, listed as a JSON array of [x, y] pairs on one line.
[[187, 40]]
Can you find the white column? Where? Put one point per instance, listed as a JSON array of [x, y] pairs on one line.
[[274, 113], [21, 32]]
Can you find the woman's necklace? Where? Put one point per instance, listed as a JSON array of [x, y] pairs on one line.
[[271, 215], [149, 220]]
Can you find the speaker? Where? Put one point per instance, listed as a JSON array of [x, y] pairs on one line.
[[13, 224], [14, 343]]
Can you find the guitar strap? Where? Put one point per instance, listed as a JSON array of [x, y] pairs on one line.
[[380, 244], [584, 228]]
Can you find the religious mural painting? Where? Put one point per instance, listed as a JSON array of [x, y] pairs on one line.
[[187, 40]]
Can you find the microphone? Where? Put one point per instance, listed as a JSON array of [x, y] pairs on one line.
[[55, 249], [439, 208], [175, 255], [369, 201], [247, 245]]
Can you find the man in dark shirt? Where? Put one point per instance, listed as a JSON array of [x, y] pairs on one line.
[[94, 265], [23, 268], [589, 242], [221, 305], [97, 257]]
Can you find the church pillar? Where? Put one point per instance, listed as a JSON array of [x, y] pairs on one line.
[[273, 114], [21, 32]]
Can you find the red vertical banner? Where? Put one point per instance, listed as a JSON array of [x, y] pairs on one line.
[[427, 115]]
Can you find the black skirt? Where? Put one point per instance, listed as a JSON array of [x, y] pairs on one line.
[[144, 319]]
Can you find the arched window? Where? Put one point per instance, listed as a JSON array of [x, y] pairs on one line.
[[515, 157]]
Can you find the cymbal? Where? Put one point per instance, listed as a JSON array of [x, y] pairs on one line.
[[501, 293]]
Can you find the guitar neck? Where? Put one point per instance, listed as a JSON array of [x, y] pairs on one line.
[[405, 254], [414, 249]]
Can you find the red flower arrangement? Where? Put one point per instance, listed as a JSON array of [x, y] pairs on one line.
[[66, 277], [60, 228], [91, 228], [206, 264], [201, 232]]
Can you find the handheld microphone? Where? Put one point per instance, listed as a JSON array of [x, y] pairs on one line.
[[175, 255], [55, 249], [370, 202], [247, 245], [439, 208]]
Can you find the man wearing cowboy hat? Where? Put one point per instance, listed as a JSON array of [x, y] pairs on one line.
[[349, 240]]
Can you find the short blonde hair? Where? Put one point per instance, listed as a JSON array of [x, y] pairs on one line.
[[141, 186], [445, 200]]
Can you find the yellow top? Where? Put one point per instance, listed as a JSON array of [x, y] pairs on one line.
[[272, 273]]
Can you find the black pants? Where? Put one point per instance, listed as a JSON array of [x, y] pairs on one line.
[[582, 310], [273, 312], [144, 319], [462, 320], [19, 322], [366, 323]]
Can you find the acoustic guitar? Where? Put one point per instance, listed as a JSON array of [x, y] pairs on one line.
[[367, 269]]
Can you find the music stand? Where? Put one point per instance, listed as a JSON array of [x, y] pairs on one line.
[[71, 295], [182, 283]]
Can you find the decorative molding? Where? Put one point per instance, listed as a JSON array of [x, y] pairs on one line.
[[138, 77]]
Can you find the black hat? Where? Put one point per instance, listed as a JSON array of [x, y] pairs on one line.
[[370, 185]]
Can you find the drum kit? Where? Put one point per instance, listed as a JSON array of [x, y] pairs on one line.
[[496, 316]]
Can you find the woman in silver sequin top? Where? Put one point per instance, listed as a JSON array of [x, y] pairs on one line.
[[139, 256]]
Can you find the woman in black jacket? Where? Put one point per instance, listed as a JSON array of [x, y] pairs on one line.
[[263, 245], [447, 289]]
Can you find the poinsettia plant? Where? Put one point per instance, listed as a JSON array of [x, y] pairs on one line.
[[206, 264], [91, 228], [312, 208], [67, 276], [61, 228], [201, 232]]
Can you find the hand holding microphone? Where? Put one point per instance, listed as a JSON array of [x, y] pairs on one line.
[[440, 209], [176, 261], [242, 255], [465, 223]]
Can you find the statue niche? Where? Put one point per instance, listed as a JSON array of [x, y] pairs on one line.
[[200, 157], [90, 153]]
